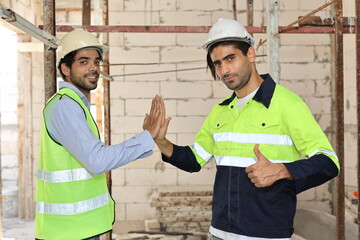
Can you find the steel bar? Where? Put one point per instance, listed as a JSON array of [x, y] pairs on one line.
[[357, 41], [339, 94], [320, 21], [194, 29], [309, 14], [27, 27]]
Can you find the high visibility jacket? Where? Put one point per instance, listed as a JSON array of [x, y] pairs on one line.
[[282, 124], [71, 202]]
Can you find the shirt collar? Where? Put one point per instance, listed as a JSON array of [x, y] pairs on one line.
[[64, 84], [263, 95]]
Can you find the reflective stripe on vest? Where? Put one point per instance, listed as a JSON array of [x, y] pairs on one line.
[[252, 138], [73, 208], [255, 138], [64, 175], [241, 161]]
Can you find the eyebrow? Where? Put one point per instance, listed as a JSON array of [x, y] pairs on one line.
[[227, 56], [87, 58]]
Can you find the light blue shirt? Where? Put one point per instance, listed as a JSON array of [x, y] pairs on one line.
[[65, 122]]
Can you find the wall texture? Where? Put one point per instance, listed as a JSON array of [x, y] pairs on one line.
[[146, 64], [305, 68]]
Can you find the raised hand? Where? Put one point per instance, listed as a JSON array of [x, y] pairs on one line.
[[264, 173], [164, 124], [155, 118]]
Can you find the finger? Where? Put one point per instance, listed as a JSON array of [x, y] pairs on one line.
[[146, 119], [152, 109]]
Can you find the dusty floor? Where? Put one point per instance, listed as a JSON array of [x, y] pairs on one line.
[[17, 229]]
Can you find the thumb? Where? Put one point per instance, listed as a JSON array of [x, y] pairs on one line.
[[258, 154]]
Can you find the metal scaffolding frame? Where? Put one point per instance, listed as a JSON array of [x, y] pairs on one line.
[[337, 26]]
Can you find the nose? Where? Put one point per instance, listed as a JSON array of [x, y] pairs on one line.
[[93, 66], [225, 69]]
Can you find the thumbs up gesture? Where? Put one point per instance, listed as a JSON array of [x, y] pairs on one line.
[[264, 173]]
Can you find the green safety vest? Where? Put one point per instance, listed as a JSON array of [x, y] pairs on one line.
[[285, 131], [71, 202]]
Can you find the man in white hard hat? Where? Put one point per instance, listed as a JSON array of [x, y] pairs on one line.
[[257, 137], [72, 198]]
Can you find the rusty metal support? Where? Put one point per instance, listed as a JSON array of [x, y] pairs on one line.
[[86, 12], [320, 21], [339, 94], [49, 53], [357, 40], [195, 29], [234, 10], [250, 12], [106, 97], [311, 13]]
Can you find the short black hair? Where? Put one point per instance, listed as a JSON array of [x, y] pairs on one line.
[[68, 60], [242, 46]]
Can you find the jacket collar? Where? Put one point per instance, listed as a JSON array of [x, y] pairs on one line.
[[263, 95]]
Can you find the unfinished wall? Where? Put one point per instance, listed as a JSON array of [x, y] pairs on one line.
[[8, 121], [22, 100], [306, 66]]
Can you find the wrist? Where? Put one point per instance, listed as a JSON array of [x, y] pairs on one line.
[[165, 146], [285, 173]]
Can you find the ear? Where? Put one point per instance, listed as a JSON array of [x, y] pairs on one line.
[[251, 54], [65, 69]]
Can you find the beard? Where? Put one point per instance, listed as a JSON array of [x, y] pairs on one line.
[[240, 80], [82, 83]]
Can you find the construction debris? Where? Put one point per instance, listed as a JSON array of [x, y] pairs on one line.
[[184, 211]]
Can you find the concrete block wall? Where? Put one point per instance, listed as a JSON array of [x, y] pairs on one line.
[[8, 110], [305, 63], [306, 68]]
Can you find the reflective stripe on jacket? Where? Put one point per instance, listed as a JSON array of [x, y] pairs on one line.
[[282, 124], [71, 202]]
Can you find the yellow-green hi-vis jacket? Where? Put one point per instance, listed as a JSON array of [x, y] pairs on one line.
[[286, 130], [71, 202]]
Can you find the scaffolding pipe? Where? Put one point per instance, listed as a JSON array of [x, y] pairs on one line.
[[357, 40], [49, 52], [234, 10], [250, 13], [339, 95], [106, 99], [273, 40], [86, 12], [21, 23]]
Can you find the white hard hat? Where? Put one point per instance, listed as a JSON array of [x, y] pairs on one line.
[[227, 29], [78, 39]]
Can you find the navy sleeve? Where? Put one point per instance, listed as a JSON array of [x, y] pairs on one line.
[[183, 158], [312, 172]]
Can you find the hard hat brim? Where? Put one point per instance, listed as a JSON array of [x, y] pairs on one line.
[[207, 45]]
